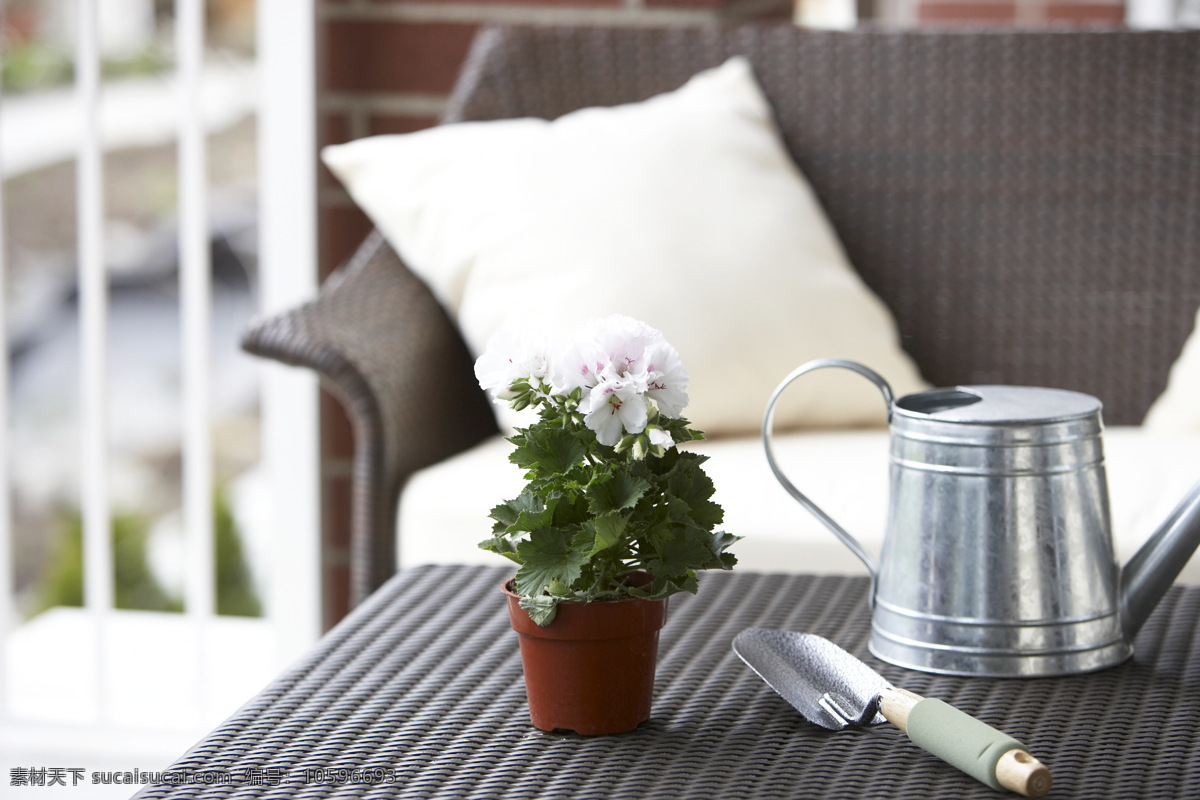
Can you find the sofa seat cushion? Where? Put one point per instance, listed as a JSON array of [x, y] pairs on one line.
[[1177, 410], [444, 509]]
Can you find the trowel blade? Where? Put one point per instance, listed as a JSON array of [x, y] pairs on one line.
[[822, 681]]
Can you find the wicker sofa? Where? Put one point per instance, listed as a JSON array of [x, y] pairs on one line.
[[1027, 206]]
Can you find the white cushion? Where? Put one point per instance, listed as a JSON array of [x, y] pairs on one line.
[[1177, 409], [684, 211], [443, 510]]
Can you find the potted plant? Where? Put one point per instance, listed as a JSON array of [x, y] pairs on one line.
[[613, 518]]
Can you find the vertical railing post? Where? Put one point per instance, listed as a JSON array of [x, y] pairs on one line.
[[93, 327], [287, 275], [195, 265], [1150, 14], [7, 603]]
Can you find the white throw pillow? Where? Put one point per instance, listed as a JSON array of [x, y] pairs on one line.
[[1177, 409], [684, 211]]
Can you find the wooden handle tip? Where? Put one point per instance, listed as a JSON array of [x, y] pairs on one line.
[[1020, 772]]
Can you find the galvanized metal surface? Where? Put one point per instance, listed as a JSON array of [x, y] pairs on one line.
[[822, 681], [998, 558], [998, 555]]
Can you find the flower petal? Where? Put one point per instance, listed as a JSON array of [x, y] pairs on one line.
[[615, 408], [513, 355], [660, 437], [666, 379]]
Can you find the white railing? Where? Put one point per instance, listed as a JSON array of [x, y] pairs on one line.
[[7, 611], [195, 273], [1151, 14], [287, 275], [107, 657], [93, 343]]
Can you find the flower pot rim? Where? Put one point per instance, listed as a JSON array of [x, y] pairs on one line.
[[598, 619], [643, 579]]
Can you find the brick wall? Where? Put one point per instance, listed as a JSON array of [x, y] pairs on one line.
[[387, 66], [1026, 13]]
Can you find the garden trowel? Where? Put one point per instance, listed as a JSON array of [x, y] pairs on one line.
[[835, 690]]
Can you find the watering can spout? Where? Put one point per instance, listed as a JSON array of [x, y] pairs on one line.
[[1153, 568]]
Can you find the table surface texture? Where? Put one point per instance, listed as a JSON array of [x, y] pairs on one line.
[[423, 684]]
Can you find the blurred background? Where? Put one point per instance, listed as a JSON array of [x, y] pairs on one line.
[[140, 232], [78, 692], [124, 669]]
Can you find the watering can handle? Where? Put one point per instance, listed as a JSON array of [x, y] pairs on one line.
[[813, 508]]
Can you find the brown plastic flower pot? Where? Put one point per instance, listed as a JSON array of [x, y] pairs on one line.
[[591, 670]]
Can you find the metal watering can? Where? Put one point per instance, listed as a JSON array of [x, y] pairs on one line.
[[998, 556]]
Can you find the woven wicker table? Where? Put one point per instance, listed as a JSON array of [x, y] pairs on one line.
[[419, 693]]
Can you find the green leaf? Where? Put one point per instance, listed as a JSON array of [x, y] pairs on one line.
[[707, 514], [689, 548], [702, 513], [604, 531], [534, 520], [523, 457], [559, 589], [549, 451], [688, 482], [548, 556], [618, 493], [661, 533], [507, 513], [525, 513], [570, 513], [688, 584], [541, 609], [502, 546], [721, 540], [665, 587]]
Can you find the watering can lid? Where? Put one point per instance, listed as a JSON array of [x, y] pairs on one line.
[[998, 405]]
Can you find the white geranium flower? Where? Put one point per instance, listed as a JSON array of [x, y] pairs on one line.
[[622, 368], [613, 346], [578, 368], [615, 407], [513, 357], [666, 379]]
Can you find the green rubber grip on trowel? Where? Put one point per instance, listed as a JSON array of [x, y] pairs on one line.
[[959, 739]]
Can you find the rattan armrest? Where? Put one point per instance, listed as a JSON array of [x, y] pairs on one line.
[[384, 346]]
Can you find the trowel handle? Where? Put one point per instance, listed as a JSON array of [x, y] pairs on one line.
[[978, 749], [768, 429]]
